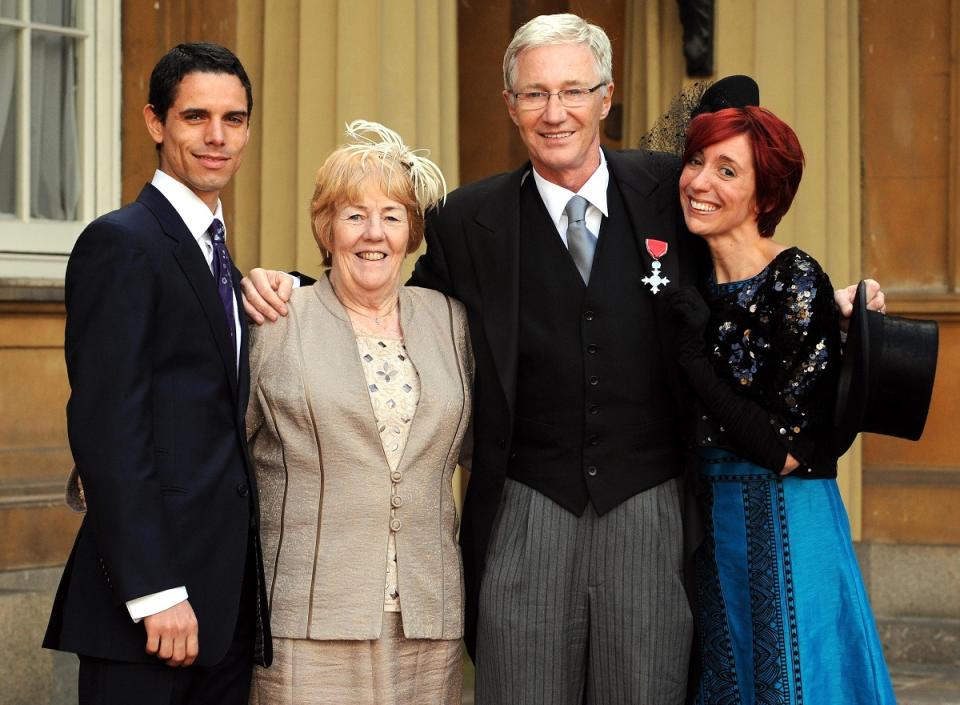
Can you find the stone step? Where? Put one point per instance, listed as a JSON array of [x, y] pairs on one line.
[[926, 685], [920, 640]]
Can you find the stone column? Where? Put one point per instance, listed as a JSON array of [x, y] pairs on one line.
[[316, 66]]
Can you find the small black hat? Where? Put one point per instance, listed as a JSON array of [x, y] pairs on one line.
[[887, 375], [730, 92]]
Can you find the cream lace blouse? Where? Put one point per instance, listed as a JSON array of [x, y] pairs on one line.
[[394, 387]]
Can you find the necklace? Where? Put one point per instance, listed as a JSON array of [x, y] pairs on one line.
[[379, 319]]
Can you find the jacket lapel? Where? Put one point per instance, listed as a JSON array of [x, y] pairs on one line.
[[493, 239], [432, 352], [652, 213], [194, 266], [243, 368]]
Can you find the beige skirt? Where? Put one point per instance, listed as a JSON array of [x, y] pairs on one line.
[[391, 670]]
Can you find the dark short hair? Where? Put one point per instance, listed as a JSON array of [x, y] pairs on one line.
[[184, 59], [777, 156]]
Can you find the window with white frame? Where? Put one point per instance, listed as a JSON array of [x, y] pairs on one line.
[[59, 134]]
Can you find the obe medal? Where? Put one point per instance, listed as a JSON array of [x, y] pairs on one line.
[[656, 249]]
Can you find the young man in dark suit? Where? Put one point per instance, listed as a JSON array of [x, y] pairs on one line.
[[161, 597]]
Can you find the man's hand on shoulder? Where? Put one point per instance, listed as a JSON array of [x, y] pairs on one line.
[[265, 294], [172, 635], [876, 301]]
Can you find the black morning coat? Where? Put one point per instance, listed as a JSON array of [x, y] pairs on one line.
[[156, 427], [473, 255]]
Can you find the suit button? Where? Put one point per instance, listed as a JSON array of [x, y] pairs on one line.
[[242, 489], [396, 476], [594, 380], [395, 524], [593, 440], [592, 470], [594, 409], [592, 349], [588, 315], [396, 501]]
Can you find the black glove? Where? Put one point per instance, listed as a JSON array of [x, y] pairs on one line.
[[689, 316], [746, 423]]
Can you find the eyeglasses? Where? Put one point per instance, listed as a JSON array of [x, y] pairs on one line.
[[569, 97]]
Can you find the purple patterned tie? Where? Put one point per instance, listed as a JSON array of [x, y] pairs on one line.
[[223, 272]]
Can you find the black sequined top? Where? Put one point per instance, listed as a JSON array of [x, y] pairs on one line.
[[776, 337]]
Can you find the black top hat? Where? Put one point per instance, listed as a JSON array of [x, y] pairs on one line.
[[887, 375], [730, 92]]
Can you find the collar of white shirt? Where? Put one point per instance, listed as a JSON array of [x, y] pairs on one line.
[[195, 213], [555, 198], [197, 217]]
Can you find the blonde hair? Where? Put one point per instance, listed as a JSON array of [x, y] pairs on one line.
[[374, 151], [550, 30]]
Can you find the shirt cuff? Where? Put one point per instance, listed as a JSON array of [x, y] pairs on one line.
[[157, 602]]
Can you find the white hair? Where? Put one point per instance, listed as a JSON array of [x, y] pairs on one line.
[[550, 30]]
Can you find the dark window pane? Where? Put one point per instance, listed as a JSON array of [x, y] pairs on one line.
[[8, 119], [62, 13], [54, 136]]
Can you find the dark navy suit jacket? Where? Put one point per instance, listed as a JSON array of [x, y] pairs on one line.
[[156, 427]]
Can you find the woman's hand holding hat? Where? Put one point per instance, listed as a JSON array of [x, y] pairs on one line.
[[876, 301]]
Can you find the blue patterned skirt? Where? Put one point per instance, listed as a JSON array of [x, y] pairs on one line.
[[782, 612]]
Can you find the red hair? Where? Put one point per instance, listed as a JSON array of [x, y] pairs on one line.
[[777, 156]]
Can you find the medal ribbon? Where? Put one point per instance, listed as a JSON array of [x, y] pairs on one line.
[[656, 248]]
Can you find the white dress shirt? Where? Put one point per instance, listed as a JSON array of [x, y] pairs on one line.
[[555, 198], [197, 217]]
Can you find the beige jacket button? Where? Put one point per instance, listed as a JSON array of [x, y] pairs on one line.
[[396, 501], [395, 524]]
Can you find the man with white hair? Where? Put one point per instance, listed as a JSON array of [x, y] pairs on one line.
[[572, 532]]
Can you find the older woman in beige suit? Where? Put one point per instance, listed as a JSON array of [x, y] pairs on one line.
[[360, 403]]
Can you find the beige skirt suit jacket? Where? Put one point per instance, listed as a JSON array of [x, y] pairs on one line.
[[325, 485]]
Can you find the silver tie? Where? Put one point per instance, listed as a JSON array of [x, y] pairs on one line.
[[580, 241]]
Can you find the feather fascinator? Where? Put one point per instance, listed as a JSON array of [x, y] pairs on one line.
[[375, 141]]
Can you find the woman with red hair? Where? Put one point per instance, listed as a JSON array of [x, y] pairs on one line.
[[782, 613]]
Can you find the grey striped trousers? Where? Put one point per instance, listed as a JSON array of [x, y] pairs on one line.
[[586, 609]]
